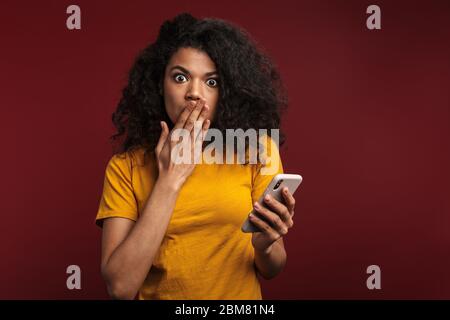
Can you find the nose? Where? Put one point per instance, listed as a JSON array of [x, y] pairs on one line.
[[194, 91]]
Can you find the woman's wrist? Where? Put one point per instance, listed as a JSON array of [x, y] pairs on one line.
[[168, 185]]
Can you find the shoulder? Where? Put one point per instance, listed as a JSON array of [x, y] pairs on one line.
[[126, 162], [268, 148], [269, 158]]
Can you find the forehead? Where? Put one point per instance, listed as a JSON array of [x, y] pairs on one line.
[[192, 59]]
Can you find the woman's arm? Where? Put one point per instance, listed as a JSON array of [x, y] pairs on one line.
[[129, 248], [270, 254], [271, 262]]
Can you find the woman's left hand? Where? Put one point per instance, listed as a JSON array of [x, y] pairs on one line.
[[280, 220]]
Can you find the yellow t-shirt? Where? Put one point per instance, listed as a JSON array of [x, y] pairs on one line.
[[204, 254]]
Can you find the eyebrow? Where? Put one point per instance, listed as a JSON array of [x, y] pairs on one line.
[[187, 71]]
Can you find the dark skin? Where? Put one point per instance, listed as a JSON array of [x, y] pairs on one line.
[[129, 247], [190, 75], [270, 254]]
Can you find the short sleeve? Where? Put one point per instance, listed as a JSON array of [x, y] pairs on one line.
[[118, 199], [263, 173]]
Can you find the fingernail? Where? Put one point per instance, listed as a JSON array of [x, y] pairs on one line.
[[256, 205]]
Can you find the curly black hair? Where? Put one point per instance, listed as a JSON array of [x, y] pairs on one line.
[[251, 94]]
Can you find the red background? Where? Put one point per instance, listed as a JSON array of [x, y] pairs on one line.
[[368, 128]]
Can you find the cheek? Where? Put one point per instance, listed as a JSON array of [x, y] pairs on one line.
[[173, 102], [214, 100]]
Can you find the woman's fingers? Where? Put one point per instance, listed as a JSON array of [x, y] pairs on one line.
[[264, 227], [280, 209], [184, 115], [162, 137], [190, 121], [181, 121], [205, 128], [197, 150], [290, 201], [273, 218], [191, 118], [200, 122]]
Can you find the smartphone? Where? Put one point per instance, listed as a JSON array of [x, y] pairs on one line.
[[275, 187]]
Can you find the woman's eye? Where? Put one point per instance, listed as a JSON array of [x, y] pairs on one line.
[[179, 78], [212, 82]]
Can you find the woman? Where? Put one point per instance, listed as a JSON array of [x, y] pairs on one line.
[[172, 230]]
